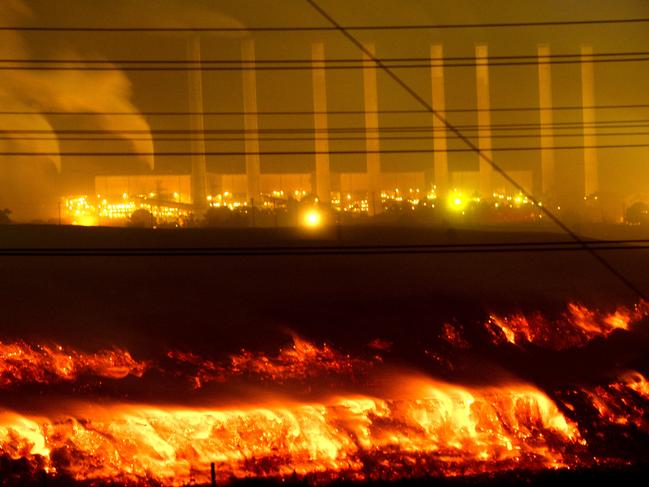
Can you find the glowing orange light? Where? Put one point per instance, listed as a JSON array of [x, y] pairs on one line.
[[312, 218]]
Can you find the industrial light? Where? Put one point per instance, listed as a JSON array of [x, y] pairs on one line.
[[456, 202], [312, 218], [86, 221]]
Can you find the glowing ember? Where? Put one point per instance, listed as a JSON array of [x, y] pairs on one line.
[[577, 326], [453, 335], [623, 402], [22, 363], [391, 425], [301, 360], [454, 429], [298, 361]]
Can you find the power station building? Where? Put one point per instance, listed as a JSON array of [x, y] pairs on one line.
[[372, 185]]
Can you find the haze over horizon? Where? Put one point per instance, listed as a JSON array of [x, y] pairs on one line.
[[34, 180]]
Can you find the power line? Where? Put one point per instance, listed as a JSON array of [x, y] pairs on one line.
[[327, 67], [621, 244], [309, 139], [621, 277], [603, 124], [328, 112], [305, 152], [484, 25], [266, 252], [474, 245], [310, 61]]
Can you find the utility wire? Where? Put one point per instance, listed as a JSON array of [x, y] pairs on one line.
[[326, 67], [309, 152], [431, 246], [328, 112], [309, 139], [285, 28], [621, 277], [265, 252], [604, 124], [319, 63], [474, 245]]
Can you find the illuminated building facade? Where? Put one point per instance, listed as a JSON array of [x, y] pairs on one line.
[[370, 191]]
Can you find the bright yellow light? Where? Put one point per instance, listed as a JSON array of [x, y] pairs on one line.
[[86, 221], [312, 218], [456, 202]]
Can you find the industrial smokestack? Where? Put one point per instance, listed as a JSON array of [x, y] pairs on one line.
[[591, 182], [322, 171], [546, 120], [440, 157], [197, 124], [484, 118], [372, 132], [250, 119]]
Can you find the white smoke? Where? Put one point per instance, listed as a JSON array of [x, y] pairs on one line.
[[70, 91], [26, 183], [171, 13], [11, 45], [96, 92], [66, 91]]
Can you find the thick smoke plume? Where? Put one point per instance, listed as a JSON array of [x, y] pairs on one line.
[[28, 183]]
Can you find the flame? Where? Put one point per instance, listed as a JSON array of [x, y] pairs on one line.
[[577, 326], [623, 402], [453, 335], [299, 361], [385, 426], [446, 428], [22, 363]]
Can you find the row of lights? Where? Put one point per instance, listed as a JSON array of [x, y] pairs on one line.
[[81, 211]]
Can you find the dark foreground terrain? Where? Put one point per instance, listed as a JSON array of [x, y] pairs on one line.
[[637, 475], [391, 303], [229, 301]]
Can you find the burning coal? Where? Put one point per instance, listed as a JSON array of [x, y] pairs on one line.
[[385, 423], [302, 360], [576, 327], [22, 363], [446, 429]]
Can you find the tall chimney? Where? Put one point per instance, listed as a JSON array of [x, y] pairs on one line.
[[591, 182], [372, 132], [250, 119], [322, 174], [440, 157], [546, 120], [197, 125], [484, 118]]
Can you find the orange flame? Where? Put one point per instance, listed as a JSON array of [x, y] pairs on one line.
[[451, 429], [577, 326], [301, 360], [22, 363], [414, 426], [623, 402]]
